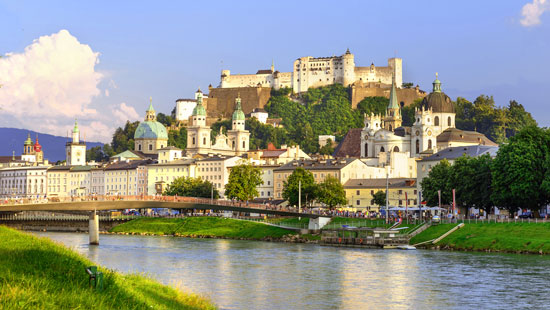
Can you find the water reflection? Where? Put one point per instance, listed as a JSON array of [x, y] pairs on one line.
[[261, 275]]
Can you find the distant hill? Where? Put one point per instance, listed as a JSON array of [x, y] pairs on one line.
[[12, 139]]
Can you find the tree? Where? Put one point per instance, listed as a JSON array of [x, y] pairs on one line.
[[164, 119], [408, 113], [178, 138], [521, 171], [327, 149], [438, 180], [471, 178], [331, 192], [309, 187], [123, 138], [407, 85], [94, 154], [379, 198], [191, 187], [376, 105], [243, 182]]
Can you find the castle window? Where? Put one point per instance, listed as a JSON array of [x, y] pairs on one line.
[[449, 121], [436, 120]]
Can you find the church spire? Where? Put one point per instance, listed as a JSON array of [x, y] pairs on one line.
[[150, 114], [393, 95]]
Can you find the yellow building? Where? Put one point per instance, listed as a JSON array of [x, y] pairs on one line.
[[161, 175], [126, 178], [59, 181], [359, 193], [342, 169]]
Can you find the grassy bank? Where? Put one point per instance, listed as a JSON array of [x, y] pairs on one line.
[[203, 227], [36, 273], [495, 237]]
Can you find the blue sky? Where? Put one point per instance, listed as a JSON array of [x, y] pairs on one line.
[[168, 49]]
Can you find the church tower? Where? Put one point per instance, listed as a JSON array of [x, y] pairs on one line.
[[38, 151], [198, 134], [28, 151], [239, 137], [393, 112], [75, 150]]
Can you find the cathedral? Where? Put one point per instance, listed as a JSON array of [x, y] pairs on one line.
[[150, 135], [234, 143], [433, 129]]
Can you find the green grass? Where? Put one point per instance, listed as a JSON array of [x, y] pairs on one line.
[[203, 227], [502, 237], [337, 222], [36, 273]]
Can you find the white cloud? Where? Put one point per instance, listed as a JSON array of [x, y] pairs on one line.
[[125, 113], [55, 81], [531, 12]]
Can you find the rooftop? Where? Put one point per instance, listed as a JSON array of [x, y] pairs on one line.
[[320, 164], [350, 146], [380, 183], [456, 152]]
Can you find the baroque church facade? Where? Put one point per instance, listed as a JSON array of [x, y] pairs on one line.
[[433, 129], [234, 143]]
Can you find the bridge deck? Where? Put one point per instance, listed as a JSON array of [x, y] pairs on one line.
[[178, 203]]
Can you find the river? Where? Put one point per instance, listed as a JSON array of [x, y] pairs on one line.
[[263, 275]]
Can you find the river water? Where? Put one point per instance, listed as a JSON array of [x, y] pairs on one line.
[[263, 275]]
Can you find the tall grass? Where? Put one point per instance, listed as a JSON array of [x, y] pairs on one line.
[[36, 273]]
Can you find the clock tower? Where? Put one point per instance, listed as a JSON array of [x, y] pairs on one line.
[[75, 151]]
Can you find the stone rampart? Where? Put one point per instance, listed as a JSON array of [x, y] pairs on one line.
[[405, 95], [221, 101]]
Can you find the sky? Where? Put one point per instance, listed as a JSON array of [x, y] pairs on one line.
[[100, 61]]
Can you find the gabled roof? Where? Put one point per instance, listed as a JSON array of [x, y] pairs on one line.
[[380, 183], [323, 164], [179, 162], [457, 135], [128, 165], [456, 152], [350, 146]]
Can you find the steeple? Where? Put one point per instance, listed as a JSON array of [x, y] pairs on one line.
[[272, 66], [150, 114], [393, 95], [436, 84], [238, 114]]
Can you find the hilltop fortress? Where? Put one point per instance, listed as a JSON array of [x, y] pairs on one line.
[[315, 72], [308, 72]]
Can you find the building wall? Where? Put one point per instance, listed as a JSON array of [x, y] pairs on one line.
[[360, 199], [23, 182], [167, 173], [217, 171], [184, 109], [76, 154], [150, 146], [121, 182], [360, 91], [98, 182], [265, 190], [58, 183]]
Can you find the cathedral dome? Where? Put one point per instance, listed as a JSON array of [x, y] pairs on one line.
[[199, 110], [437, 100], [151, 130], [238, 115]]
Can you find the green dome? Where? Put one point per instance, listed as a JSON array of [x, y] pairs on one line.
[[199, 108], [238, 115], [151, 130], [28, 141]]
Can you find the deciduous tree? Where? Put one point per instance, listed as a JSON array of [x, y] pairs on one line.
[[331, 192], [309, 187], [243, 182]]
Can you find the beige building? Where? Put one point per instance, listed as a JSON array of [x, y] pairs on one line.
[[126, 178], [98, 181], [216, 169], [59, 181], [161, 175], [168, 154], [359, 193], [80, 181], [342, 169], [265, 190], [275, 156]]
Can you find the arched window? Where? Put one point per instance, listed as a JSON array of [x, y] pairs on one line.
[[204, 141], [436, 120], [430, 144], [139, 147], [243, 144], [366, 150], [396, 149], [391, 128], [417, 146], [382, 149], [449, 121], [150, 147]]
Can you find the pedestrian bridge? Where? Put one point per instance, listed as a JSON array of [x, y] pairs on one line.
[[98, 203]]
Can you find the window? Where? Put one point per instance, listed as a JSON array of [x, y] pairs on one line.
[[430, 144], [366, 150], [243, 144], [358, 192], [193, 140], [449, 121], [436, 120], [204, 141], [150, 147], [400, 192], [400, 202], [415, 192], [358, 202], [382, 149], [372, 192], [396, 149]]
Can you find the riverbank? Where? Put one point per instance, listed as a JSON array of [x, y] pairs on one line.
[[522, 238], [205, 227], [36, 273]]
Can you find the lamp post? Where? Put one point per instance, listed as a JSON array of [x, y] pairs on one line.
[[387, 197]]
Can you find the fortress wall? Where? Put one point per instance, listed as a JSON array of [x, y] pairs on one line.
[[405, 95], [221, 101], [245, 80]]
